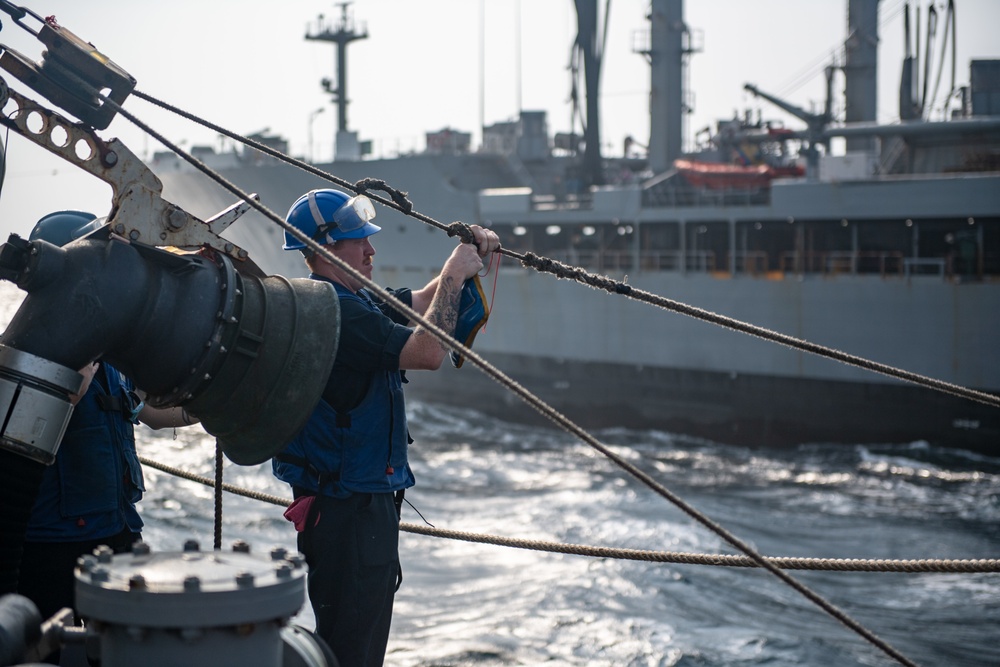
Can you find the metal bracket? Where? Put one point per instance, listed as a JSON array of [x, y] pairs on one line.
[[138, 211]]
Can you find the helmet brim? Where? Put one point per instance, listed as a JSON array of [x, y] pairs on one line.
[[362, 232]]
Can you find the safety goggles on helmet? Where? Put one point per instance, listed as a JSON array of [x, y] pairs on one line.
[[327, 216], [353, 216]]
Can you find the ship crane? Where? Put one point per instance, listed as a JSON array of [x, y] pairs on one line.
[[816, 124]]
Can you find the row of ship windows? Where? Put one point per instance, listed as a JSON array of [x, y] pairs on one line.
[[964, 247]]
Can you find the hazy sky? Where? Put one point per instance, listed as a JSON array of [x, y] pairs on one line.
[[245, 65]]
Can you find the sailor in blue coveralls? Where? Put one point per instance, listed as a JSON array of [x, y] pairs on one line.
[[348, 466], [88, 495]]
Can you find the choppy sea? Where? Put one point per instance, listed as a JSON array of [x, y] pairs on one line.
[[464, 603]]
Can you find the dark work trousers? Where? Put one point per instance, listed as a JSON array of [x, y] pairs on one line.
[[353, 558], [46, 577]]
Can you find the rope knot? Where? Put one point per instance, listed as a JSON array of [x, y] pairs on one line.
[[398, 196], [461, 230], [529, 259]]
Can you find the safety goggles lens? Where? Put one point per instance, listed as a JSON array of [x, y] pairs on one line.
[[354, 214]]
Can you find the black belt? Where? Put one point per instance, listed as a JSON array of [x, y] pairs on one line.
[[114, 404]]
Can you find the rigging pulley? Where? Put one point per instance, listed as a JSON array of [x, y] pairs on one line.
[[71, 73], [78, 78]]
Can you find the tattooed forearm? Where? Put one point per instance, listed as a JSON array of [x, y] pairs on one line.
[[443, 312]]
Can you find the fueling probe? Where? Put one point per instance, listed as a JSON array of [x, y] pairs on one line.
[[161, 295]]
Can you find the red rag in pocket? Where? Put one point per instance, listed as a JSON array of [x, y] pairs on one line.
[[299, 510]]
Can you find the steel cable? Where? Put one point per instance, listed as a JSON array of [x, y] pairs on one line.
[[550, 413]]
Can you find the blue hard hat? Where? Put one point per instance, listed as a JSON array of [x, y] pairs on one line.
[[61, 227], [327, 216]]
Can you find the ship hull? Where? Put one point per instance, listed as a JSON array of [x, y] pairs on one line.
[[741, 409], [609, 361]]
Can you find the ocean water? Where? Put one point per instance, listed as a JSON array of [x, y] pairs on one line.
[[465, 603]]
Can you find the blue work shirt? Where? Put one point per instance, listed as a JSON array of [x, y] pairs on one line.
[[356, 438], [91, 489]]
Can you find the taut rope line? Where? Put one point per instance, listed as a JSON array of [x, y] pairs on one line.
[[921, 566], [401, 203], [450, 343]]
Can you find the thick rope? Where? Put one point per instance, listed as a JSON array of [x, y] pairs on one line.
[[450, 343], [542, 264], [933, 565], [365, 185], [397, 198], [218, 496]]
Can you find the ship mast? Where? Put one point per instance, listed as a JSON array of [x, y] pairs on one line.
[[861, 69], [587, 42], [341, 33], [668, 49]]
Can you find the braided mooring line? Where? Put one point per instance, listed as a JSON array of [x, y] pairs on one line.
[[934, 565], [397, 198]]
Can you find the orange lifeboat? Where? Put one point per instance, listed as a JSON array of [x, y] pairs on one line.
[[720, 176]]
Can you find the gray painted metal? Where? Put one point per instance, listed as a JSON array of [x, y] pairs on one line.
[[667, 94], [35, 417], [861, 67], [190, 607]]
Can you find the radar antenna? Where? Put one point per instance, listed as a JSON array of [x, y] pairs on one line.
[[341, 33]]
